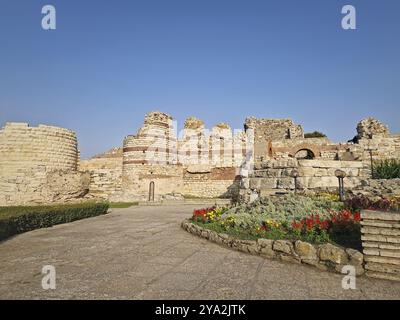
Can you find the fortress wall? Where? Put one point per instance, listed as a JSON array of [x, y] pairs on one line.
[[136, 179], [313, 174], [383, 147], [23, 147], [39, 165], [105, 176], [209, 182]]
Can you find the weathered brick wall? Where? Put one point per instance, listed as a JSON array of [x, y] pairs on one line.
[[32, 159], [381, 244]]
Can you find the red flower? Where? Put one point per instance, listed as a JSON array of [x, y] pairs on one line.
[[202, 213], [357, 217], [310, 223]]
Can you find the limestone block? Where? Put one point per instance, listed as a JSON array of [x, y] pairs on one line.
[[305, 250], [268, 183], [378, 215], [380, 267], [355, 257], [284, 246], [265, 243], [329, 252], [384, 260]]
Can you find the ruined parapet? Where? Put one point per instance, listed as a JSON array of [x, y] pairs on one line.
[[193, 144], [269, 130], [373, 140], [194, 123], [274, 129], [370, 128], [115, 152], [221, 145], [29, 156]]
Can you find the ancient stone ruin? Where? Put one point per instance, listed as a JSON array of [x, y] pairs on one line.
[[41, 164]]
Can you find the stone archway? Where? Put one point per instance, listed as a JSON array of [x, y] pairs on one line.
[[304, 154], [311, 151]]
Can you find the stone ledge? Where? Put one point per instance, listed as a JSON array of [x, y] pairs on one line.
[[326, 257]]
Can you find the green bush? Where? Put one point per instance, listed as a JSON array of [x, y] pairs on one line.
[[14, 220], [387, 169], [315, 134]]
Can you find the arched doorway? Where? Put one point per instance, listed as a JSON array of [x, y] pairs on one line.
[[151, 191], [304, 154]]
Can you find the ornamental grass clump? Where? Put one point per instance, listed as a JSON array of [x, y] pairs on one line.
[[386, 169]]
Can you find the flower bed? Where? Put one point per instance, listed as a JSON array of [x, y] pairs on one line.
[[313, 219], [324, 257], [316, 229]]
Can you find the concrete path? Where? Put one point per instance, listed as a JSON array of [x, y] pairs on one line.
[[142, 253]]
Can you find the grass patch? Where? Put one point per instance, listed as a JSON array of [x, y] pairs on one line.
[[121, 205], [15, 220]]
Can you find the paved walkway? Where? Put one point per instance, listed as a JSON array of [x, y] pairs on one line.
[[142, 253]]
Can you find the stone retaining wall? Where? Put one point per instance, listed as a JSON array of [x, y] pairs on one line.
[[381, 244], [381, 188], [325, 257]]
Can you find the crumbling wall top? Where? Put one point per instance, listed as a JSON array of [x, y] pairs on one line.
[[193, 123], [370, 127]]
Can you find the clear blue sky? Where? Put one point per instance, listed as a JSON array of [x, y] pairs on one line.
[[109, 62]]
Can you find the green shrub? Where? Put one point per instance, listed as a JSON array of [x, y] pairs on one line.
[[315, 134], [14, 220], [386, 169]]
